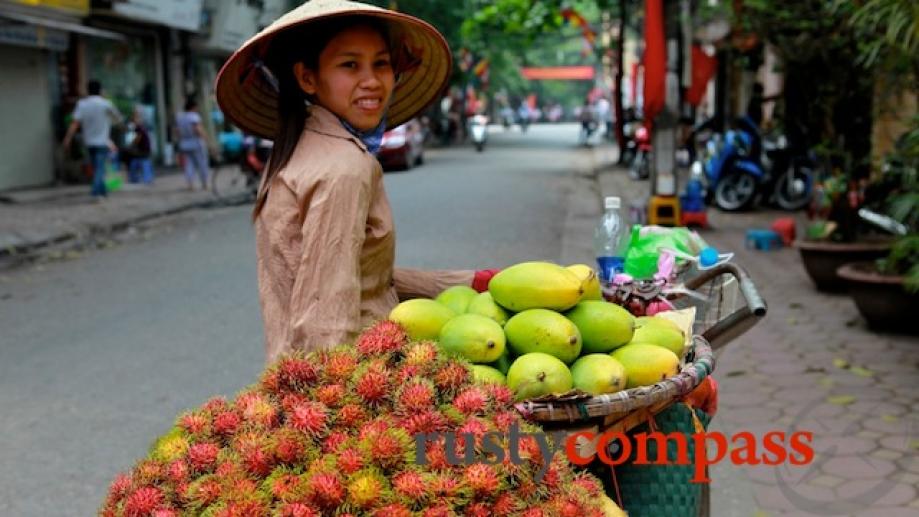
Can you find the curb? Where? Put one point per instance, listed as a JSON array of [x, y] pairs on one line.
[[74, 239]]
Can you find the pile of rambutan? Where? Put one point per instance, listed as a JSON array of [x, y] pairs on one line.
[[333, 433]]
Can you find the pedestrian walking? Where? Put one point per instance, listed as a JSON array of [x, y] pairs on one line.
[[94, 116], [323, 82], [138, 150], [192, 143]]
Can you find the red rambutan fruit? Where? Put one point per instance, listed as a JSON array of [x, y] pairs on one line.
[[452, 376], [424, 422], [410, 485], [421, 353], [351, 416], [120, 487], [309, 417], [533, 512], [507, 504], [478, 509], [350, 461], [502, 396], [332, 395], [482, 479], [143, 501], [166, 512], [178, 471], [372, 385], [440, 510], [415, 396], [389, 449], [216, 405], [297, 510], [406, 372], [289, 445], [504, 419], [203, 492], [194, 423], [256, 461], [384, 337], [366, 489], [588, 483], [203, 456], [393, 510], [292, 399], [149, 472], [472, 400], [334, 441], [257, 409], [338, 364], [226, 423], [325, 489], [563, 507], [285, 486]]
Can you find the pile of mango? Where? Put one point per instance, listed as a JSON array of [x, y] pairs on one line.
[[542, 328]]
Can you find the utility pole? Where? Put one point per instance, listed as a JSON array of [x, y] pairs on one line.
[[663, 174], [618, 77]]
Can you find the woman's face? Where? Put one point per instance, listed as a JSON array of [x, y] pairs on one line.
[[354, 78]]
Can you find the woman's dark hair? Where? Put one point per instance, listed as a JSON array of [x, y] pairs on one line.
[[301, 45], [191, 104]]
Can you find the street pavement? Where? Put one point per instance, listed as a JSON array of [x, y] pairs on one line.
[[105, 340]]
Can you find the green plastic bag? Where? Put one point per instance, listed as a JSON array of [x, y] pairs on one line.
[[113, 179], [647, 241]]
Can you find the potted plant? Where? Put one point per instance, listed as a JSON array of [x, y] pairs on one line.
[[886, 291], [836, 234]]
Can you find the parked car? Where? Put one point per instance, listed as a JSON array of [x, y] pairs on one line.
[[403, 146]]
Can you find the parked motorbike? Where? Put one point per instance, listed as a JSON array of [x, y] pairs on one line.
[[256, 152], [640, 168], [478, 129], [741, 166]]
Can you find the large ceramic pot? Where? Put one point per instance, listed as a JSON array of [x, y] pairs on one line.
[[822, 259], [882, 300]]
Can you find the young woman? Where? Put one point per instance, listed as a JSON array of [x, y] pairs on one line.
[[192, 142], [324, 81]]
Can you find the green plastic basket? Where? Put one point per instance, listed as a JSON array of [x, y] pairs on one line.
[[663, 490]]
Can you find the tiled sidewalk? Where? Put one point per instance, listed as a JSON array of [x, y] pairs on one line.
[[810, 365]]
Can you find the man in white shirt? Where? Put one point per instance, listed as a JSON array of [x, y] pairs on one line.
[[604, 116], [94, 114]]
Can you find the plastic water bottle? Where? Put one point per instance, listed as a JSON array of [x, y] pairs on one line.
[[611, 240]]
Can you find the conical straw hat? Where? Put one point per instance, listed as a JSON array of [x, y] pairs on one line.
[[247, 92]]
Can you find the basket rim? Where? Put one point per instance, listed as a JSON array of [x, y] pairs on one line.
[[577, 406]]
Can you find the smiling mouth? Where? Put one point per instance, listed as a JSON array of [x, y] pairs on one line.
[[369, 104]]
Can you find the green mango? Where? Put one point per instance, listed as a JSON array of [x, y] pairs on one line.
[[542, 330], [604, 326], [457, 298], [537, 374], [483, 374], [476, 338], [484, 305], [422, 318], [536, 285]]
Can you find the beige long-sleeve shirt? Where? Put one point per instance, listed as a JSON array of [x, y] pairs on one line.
[[326, 245]]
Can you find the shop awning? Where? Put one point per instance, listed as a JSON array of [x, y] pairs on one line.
[[62, 25], [570, 73]]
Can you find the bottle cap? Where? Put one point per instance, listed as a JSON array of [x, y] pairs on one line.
[[708, 257], [612, 203]]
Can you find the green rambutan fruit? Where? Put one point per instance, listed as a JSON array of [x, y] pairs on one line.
[[310, 418], [472, 400], [421, 353], [416, 395], [383, 337], [350, 461], [143, 502], [351, 416], [203, 456], [325, 490], [366, 489], [389, 449], [171, 446], [483, 479]]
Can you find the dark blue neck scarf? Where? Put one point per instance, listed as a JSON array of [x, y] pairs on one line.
[[372, 138]]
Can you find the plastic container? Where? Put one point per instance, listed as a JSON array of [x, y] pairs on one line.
[[611, 238]]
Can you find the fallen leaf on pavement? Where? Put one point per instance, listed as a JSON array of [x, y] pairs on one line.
[[890, 418], [841, 400], [861, 372], [840, 363]]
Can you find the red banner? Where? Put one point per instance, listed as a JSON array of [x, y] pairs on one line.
[[655, 90], [703, 69], [575, 73]]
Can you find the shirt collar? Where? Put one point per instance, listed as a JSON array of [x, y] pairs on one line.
[[327, 123]]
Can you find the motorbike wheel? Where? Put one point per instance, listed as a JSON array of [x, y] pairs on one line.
[[735, 191], [641, 166], [480, 146], [792, 188]]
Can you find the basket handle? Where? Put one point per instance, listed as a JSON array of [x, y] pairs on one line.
[[741, 320]]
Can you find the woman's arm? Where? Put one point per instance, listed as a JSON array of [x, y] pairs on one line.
[[420, 283]]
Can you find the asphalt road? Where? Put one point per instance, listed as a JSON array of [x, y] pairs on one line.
[[99, 353]]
